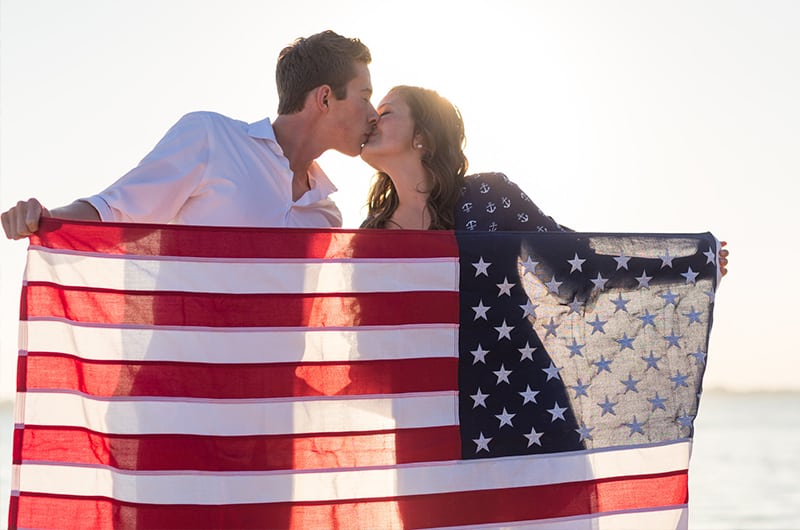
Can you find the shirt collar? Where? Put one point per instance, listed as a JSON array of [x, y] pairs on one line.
[[321, 185], [262, 129]]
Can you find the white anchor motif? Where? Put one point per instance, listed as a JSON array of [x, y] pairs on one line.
[[466, 207], [471, 224], [522, 217], [491, 207], [493, 227], [506, 202], [485, 187]]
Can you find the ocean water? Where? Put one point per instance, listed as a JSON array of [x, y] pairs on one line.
[[744, 473]]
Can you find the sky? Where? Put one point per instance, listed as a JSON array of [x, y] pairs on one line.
[[614, 116]]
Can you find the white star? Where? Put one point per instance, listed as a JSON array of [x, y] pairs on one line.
[[505, 418], [672, 339], [575, 306], [670, 298], [479, 398], [575, 348], [529, 395], [679, 379], [584, 432], [666, 259], [527, 352], [657, 402], [551, 328], [529, 309], [603, 364], [693, 316], [552, 371], [480, 310], [620, 303], [690, 275], [504, 331], [481, 267], [502, 375], [483, 443], [644, 279], [599, 282], [577, 264], [622, 261], [479, 354], [699, 356], [711, 256], [647, 318], [608, 407], [533, 437], [505, 287], [557, 412], [597, 324], [530, 265], [685, 420], [625, 342], [652, 361], [634, 426], [553, 285], [580, 389]]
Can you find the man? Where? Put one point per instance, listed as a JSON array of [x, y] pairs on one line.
[[210, 169]]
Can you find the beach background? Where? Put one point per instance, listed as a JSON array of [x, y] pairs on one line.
[[618, 116]]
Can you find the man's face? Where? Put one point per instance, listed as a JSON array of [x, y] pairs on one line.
[[353, 117]]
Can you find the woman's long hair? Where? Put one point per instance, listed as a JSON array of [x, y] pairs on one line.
[[441, 128]]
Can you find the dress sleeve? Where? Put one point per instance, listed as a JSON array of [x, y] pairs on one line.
[[519, 211], [156, 189]]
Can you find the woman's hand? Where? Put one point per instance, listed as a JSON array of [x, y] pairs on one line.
[[722, 258]]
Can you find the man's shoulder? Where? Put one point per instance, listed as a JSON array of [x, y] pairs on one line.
[[207, 118]]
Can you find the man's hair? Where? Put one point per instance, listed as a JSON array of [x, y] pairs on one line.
[[324, 58]]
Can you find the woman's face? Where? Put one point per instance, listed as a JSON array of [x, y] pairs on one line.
[[394, 134]]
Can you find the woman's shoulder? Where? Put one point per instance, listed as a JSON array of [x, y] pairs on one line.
[[491, 183]]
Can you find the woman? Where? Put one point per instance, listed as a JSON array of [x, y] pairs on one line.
[[417, 148]]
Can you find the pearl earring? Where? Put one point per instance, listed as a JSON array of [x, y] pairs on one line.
[[419, 146]]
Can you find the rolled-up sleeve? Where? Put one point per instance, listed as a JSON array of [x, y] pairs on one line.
[[156, 189]]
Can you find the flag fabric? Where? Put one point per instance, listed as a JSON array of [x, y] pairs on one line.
[[209, 377]]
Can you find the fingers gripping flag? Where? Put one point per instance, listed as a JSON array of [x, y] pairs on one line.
[[206, 377]]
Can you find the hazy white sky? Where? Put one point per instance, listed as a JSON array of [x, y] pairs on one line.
[[636, 116]]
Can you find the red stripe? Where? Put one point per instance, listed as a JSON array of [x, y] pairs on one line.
[[241, 310], [237, 453], [48, 371], [240, 242], [450, 509]]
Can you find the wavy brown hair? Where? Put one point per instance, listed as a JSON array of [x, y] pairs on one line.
[[441, 127]]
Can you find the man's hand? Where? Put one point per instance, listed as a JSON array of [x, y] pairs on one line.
[[23, 219]]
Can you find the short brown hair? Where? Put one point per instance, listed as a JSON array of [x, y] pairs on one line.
[[441, 128], [324, 58]]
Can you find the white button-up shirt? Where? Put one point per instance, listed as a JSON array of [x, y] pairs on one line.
[[213, 170]]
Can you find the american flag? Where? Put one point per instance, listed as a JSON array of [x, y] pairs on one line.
[[209, 377]]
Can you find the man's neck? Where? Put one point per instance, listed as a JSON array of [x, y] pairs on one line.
[[294, 136]]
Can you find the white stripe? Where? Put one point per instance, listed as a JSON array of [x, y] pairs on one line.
[[341, 485], [676, 518], [242, 276], [239, 345], [239, 417]]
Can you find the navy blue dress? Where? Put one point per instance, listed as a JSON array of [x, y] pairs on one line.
[[490, 202]]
